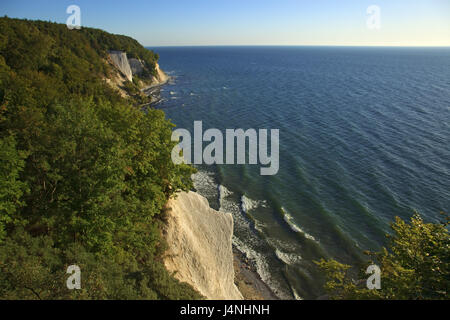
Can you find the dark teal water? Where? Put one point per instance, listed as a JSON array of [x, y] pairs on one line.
[[364, 137]]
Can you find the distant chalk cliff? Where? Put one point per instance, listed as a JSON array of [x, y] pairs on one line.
[[120, 61], [133, 66]]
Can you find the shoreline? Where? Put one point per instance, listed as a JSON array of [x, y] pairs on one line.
[[248, 280], [153, 89]]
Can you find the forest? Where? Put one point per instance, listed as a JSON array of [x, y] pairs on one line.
[[85, 174]]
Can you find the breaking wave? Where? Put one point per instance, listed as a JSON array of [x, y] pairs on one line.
[[288, 258], [290, 221], [248, 204]]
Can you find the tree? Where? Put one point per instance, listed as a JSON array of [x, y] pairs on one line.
[[11, 188], [415, 265]]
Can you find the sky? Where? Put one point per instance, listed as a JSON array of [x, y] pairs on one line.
[[254, 22]]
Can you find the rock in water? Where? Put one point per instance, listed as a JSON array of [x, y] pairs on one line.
[[200, 248]]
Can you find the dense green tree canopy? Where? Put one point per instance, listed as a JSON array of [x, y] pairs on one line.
[[85, 174]]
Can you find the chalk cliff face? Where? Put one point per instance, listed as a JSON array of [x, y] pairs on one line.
[[200, 248], [161, 77], [120, 61], [136, 66], [132, 66]]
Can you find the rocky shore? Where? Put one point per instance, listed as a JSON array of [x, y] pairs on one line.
[[248, 281]]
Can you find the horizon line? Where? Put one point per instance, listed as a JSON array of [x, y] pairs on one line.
[[296, 45]]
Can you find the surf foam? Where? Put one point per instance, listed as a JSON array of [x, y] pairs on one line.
[[290, 221]]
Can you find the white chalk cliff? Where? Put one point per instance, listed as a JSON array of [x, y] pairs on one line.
[[161, 77], [133, 66], [200, 248], [120, 61]]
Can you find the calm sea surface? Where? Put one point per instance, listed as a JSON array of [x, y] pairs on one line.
[[364, 137]]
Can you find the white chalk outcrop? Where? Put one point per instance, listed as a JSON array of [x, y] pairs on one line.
[[200, 247], [129, 67], [161, 77], [120, 61]]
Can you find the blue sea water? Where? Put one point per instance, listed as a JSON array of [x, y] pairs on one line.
[[364, 137]]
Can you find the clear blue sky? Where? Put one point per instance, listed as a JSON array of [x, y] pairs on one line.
[[253, 22]]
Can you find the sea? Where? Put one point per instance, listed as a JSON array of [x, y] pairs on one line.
[[364, 136]]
